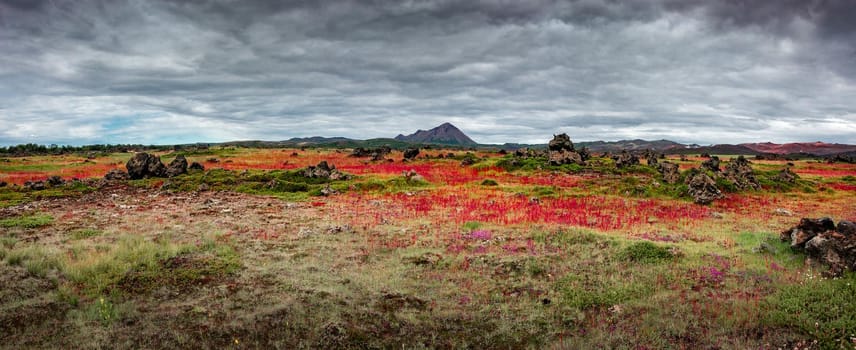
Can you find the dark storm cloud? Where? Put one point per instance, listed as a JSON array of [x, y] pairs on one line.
[[503, 71]]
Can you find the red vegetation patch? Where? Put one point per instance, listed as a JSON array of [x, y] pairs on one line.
[[460, 205]]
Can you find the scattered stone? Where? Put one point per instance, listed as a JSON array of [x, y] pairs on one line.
[[142, 165], [55, 180], [740, 173], [203, 187], [703, 189], [825, 243], [35, 185], [411, 153], [212, 160], [177, 167], [327, 190], [717, 215], [783, 212], [711, 164], [116, 175], [670, 171], [196, 166], [467, 161], [412, 176]]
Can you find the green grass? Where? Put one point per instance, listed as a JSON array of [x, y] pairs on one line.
[[28, 221], [818, 308], [37, 260], [85, 233]]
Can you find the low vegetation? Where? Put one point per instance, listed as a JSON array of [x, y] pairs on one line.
[[461, 251]]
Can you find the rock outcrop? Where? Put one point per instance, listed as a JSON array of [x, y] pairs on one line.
[[740, 173], [376, 154], [143, 165], [825, 243], [625, 159], [702, 188], [177, 167], [786, 175], [411, 153], [325, 171], [712, 164], [670, 171], [561, 151]]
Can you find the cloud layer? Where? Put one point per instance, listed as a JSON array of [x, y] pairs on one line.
[[80, 72]]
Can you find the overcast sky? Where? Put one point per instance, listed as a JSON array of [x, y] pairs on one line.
[[723, 71]]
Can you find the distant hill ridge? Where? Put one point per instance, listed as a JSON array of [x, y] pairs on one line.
[[449, 135], [446, 134], [816, 148]]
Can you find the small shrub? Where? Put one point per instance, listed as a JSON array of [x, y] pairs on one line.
[[29, 221], [471, 225], [646, 252], [489, 182]]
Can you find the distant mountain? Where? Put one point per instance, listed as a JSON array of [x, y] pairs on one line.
[[631, 145], [816, 148], [446, 134], [317, 139]]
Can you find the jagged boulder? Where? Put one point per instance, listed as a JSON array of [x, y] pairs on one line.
[[740, 173], [712, 164], [116, 175], [651, 158], [560, 150], [625, 159], [702, 188], [565, 157], [561, 142], [177, 167], [806, 230], [670, 171], [35, 185], [376, 154], [55, 180], [411, 153], [825, 243], [196, 166], [143, 165], [325, 171], [786, 175]]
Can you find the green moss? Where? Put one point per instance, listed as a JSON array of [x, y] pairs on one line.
[[85, 233], [600, 290], [647, 253]]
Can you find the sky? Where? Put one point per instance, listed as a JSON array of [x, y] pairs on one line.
[[165, 72]]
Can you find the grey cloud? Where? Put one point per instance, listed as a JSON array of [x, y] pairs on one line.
[[504, 71]]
